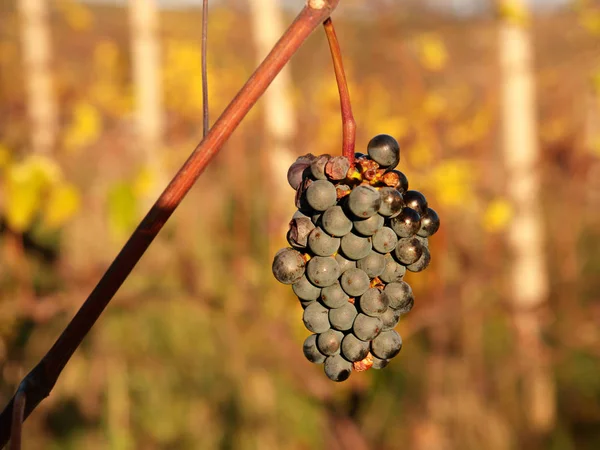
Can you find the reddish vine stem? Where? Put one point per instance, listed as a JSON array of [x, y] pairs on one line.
[[39, 382], [348, 123], [205, 121], [17, 420]]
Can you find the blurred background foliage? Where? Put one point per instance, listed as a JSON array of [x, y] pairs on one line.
[[201, 348]]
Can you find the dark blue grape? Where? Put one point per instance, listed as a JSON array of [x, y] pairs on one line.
[[356, 247], [305, 290], [373, 302], [334, 296], [288, 266], [373, 264], [316, 318], [385, 240], [407, 223], [393, 271], [296, 170], [355, 282], [337, 368], [335, 222], [321, 194], [343, 317], [366, 328], [387, 345], [317, 167], [408, 250], [329, 342], [391, 202], [353, 349], [364, 201], [422, 263], [300, 228], [415, 200], [322, 271], [400, 296], [390, 319], [430, 223], [311, 351], [384, 150], [321, 244], [368, 227], [379, 363]]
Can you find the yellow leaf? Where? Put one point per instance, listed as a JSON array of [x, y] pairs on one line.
[[497, 215], [76, 15], [63, 202], [5, 156], [432, 52], [454, 181], [23, 196], [514, 12], [85, 126], [144, 181]]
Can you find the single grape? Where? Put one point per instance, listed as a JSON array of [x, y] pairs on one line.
[[344, 263], [366, 328], [430, 223], [305, 290], [329, 342], [396, 180], [407, 223], [321, 194], [335, 222], [337, 368], [343, 317], [415, 200], [386, 345], [368, 227], [423, 240], [391, 202], [311, 351], [317, 167], [288, 266], [355, 282], [384, 240], [393, 271], [422, 263], [300, 228], [373, 264], [321, 244], [322, 271], [390, 319], [384, 150], [356, 247], [364, 201], [400, 295], [316, 318], [353, 349], [337, 168], [373, 302], [296, 170], [358, 155], [408, 250], [334, 296], [379, 363]]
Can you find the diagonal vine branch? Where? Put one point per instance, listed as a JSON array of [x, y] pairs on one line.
[[38, 384]]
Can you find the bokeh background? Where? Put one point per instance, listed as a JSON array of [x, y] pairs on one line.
[[497, 108]]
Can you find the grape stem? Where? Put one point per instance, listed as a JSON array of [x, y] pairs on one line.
[[39, 382], [348, 123]]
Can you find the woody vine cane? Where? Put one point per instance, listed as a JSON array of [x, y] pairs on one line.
[[38, 384]]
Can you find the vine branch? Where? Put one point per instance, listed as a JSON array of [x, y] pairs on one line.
[[348, 123], [38, 384]]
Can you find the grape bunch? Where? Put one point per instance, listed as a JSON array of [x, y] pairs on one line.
[[356, 233]]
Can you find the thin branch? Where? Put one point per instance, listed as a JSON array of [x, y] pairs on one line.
[[348, 123], [17, 420], [205, 121], [40, 381]]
